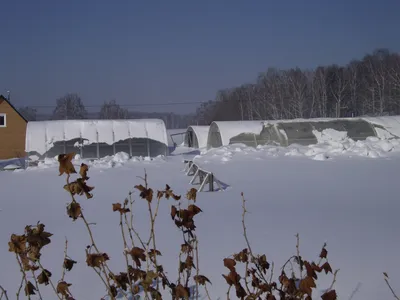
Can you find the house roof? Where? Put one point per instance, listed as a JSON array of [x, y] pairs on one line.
[[2, 98]]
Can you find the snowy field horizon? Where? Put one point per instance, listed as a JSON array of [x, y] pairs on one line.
[[338, 191]]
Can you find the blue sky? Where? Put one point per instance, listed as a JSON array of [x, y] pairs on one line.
[[149, 52]]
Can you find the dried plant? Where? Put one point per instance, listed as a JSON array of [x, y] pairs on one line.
[[256, 282], [144, 272]]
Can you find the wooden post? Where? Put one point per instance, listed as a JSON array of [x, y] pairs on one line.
[[211, 182]]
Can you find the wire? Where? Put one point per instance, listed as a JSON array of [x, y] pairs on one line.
[[130, 105]]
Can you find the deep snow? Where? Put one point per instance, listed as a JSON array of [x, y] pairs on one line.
[[349, 200]]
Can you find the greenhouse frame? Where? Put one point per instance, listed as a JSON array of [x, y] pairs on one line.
[[94, 139], [222, 132], [196, 136]]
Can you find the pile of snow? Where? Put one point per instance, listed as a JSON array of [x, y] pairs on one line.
[[112, 161], [331, 143]]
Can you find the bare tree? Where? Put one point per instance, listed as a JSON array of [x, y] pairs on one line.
[[370, 86], [111, 110], [69, 107]]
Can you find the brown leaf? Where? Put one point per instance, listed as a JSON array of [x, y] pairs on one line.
[[182, 266], [201, 279], [138, 254], [145, 193], [194, 209], [85, 188], [310, 270], [44, 277], [121, 280], [140, 187], [263, 263], [83, 171], [306, 285], [169, 194], [230, 264], [154, 252], [191, 194], [30, 289], [118, 207], [173, 212], [232, 278], [66, 166], [270, 297], [240, 291], [315, 267], [37, 237], [17, 243], [186, 247], [324, 253], [68, 264], [62, 288], [96, 259], [331, 295], [326, 267], [242, 256], [74, 210], [160, 194], [189, 262], [79, 187], [114, 290], [181, 292]]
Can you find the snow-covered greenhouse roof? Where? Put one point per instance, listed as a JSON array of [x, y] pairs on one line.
[[41, 135], [201, 132], [229, 129]]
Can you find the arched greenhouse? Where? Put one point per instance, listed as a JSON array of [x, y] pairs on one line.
[[196, 136], [94, 139]]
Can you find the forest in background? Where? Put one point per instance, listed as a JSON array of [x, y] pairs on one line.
[[368, 86]]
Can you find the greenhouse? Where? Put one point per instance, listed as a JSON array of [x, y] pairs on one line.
[[196, 136], [300, 131], [222, 133], [93, 139], [305, 132]]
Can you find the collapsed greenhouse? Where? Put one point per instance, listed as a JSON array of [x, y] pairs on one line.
[[299, 131], [222, 133], [196, 136], [93, 139]]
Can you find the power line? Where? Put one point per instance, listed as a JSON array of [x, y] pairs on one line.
[[130, 105]]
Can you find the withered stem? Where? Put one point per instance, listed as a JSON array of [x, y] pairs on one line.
[[108, 285], [391, 289], [260, 273], [3, 293], [125, 253], [65, 257], [23, 273], [36, 284], [50, 281], [20, 287]]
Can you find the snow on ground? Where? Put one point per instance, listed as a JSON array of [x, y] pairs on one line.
[[349, 200]]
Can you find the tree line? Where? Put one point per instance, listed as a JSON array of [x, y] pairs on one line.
[[71, 107], [370, 86]]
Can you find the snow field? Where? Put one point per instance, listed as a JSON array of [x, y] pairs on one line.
[[349, 200]]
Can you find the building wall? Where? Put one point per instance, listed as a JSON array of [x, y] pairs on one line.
[[12, 137]]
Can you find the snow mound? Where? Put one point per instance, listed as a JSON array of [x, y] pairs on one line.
[[112, 161]]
